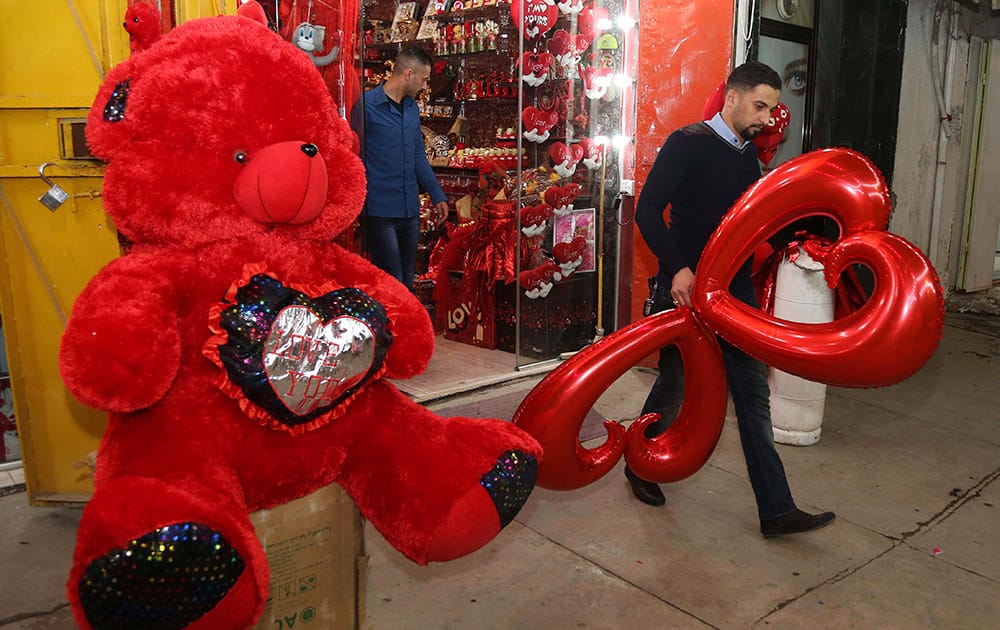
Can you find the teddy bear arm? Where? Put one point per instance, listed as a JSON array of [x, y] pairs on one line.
[[122, 346], [410, 324]]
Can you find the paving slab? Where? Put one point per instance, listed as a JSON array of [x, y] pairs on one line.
[[904, 588], [36, 553], [702, 552], [967, 535], [520, 580]]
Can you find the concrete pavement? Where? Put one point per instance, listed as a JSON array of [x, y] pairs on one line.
[[911, 471]]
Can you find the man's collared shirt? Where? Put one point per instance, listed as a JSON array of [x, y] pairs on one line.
[[394, 156], [722, 130]]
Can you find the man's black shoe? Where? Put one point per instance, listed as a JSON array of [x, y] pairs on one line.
[[794, 522], [646, 491]]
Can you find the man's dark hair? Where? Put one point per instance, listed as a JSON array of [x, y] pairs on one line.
[[413, 56], [751, 74]]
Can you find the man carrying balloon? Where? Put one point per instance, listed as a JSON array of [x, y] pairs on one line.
[[700, 172]]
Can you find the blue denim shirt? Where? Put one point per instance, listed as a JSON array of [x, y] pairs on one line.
[[392, 148]]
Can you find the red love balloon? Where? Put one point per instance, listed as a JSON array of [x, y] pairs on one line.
[[886, 340], [539, 16], [554, 411]]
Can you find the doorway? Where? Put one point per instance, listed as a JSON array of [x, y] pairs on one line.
[[980, 259]]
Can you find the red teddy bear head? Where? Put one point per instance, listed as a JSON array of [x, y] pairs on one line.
[[252, 143]]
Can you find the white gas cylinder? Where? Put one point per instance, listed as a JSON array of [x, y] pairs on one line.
[[800, 295]]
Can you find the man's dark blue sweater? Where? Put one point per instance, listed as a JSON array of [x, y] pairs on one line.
[[700, 175]]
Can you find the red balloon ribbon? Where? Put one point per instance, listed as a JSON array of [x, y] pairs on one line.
[[886, 340], [554, 411]]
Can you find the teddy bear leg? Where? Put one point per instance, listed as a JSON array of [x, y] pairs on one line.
[[157, 555], [437, 488]]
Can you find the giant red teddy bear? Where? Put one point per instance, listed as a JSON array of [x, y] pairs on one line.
[[241, 353]]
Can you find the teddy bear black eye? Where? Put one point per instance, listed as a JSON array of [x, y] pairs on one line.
[[241, 157], [135, 19]]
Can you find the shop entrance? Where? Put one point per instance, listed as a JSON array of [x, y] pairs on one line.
[[530, 134]]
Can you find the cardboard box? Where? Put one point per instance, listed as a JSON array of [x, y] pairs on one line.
[[315, 550]]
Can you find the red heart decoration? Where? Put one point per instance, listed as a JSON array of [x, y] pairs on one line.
[[533, 118], [559, 153], [779, 120], [571, 250], [536, 63], [588, 19], [590, 148], [539, 16], [576, 153], [560, 44], [572, 191], [535, 215], [555, 196]]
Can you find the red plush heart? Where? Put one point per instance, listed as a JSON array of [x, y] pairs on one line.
[[588, 20], [535, 215], [536, 64], [555, 196], [560, 44], [562, 196], [570, 251], [596, 81], [534, 118], [539, 16], [576, 153], [591, 149], [779, 120], [559, 153]]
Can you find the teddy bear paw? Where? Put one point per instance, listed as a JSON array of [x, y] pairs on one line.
[[510, 482], [479, 516], [168, 578]]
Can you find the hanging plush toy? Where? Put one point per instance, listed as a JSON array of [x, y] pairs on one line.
[[309, 38], [142, 22], [242, 355]]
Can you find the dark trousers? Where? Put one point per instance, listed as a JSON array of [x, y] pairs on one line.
[[392, 246], [747, 379]]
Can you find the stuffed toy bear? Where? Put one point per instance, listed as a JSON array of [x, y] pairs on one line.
[[242, 355]]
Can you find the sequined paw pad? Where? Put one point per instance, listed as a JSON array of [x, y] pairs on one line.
[[510, 482], [165, 579]]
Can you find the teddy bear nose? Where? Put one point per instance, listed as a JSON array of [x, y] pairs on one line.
[[310, 149]]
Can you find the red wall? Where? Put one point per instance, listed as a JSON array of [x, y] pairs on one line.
[[685, 50]]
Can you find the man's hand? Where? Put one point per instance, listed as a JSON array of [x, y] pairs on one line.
[[680, 287], [441, 211]]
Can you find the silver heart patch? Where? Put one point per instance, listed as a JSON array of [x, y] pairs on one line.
[[310, 364]]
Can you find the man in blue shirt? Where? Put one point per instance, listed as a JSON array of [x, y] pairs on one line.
[[700, 172], [392, 148]]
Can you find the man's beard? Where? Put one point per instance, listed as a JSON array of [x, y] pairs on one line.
[[749, 133]]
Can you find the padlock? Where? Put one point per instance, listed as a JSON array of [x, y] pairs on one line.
[[54, 196]]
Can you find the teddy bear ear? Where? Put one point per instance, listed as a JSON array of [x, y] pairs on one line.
[[108, 123], [252, 11]]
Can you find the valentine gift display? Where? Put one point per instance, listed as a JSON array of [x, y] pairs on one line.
[[885, 340], [242, 355], [523, 98]]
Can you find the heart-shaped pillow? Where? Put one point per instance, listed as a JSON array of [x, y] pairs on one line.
[[292, 357], [538, 123], [534, 219], [570, 251], [539, 16], [560, 44]]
